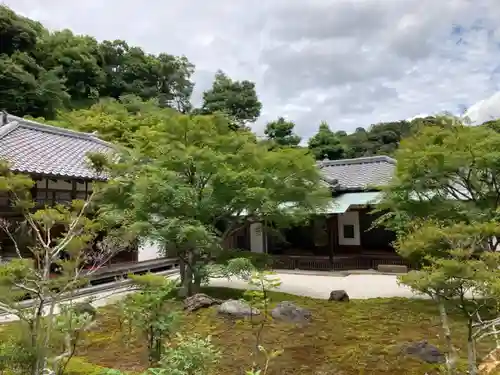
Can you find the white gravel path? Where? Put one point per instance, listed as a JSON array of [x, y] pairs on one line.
[[357, 286]]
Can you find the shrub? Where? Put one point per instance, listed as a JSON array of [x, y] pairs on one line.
[[15, 357], [191, 355], [261, 261], [148, 312]]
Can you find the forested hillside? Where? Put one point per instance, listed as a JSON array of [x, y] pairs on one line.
[[42, 71]]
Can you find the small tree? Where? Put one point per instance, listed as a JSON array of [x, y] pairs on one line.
[[260, 284], [148, 313], [193, 355], [71, 324], [59, 236], [457, 270]]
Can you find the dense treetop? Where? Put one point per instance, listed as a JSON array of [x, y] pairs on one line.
[[43, 71]]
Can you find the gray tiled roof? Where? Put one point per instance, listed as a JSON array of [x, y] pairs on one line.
[[35, 148], [358, 174]]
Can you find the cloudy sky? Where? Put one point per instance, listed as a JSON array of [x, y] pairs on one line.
[[349, 62]]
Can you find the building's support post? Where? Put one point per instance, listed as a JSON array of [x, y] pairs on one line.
[[329, 228]]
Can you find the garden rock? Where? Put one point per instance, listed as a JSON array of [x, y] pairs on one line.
[[339, 296], [425, 351], [237, 309], [288, 311], [199, 301]]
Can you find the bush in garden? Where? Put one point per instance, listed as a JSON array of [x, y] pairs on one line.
[[147, 312], [260, 283], [261, 261]]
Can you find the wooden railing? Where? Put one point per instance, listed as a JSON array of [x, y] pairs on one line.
[[337, 263]]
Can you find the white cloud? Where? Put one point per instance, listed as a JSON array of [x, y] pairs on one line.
[[349, 62], [484, 110]]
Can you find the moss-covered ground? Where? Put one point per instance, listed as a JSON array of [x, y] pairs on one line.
[[358, 337]]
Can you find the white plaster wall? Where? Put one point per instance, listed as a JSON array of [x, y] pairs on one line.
[[257, 242], [149, 250], [349, 218]]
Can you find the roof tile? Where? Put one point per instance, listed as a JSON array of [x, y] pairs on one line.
[[358, 174], [35, 148]]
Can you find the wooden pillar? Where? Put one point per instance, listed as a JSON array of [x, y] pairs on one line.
[[333, 237]]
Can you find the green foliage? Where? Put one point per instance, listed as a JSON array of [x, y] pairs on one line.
[[281, 133], [78, 366], [236, 99], [260, 261], [129, 70], [61, 235], [326, 144], [148, 312], [28, 88], [443, 204], [17, 33], [456, 259], [446, 173], [15, 357], [261, 283], [458, 267], [378, 139], [14, 183], [44, 71], [70, 327], [235, 267], [115, 120], [77, 59], [216, 180], [188, 355]]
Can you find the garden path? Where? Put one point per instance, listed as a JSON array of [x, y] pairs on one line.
[[357, 286]]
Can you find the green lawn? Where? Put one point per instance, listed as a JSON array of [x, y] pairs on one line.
[[359, 337]]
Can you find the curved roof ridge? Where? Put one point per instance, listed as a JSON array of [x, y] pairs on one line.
[[52, 129], [360, 160]]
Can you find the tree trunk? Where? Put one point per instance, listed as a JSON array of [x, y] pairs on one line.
[[197, 283], [187, 282], [471, 350], [38, 348], [182, 269], [451, 360]]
